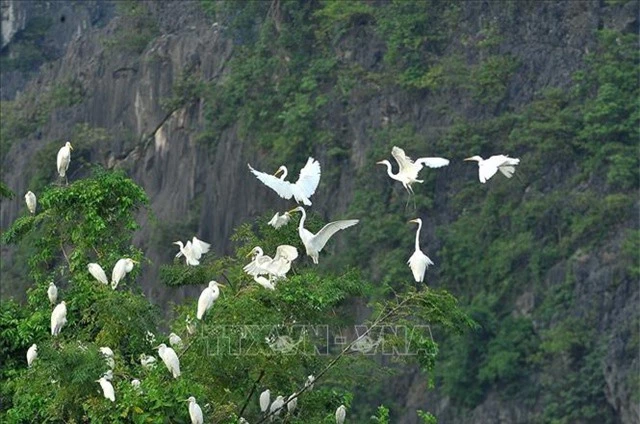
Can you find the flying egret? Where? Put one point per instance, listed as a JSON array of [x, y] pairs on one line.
[[280, 220], [123, 266], [98, 273], [58, 318], [107, 389], [488, 167], [309, 383], [207, 297], [170, 359], [108, 356], [314, 243], [31, 200], [147, 362], [276, 407], [195, 412], [193, 250], [419, 262], [265, 400], [301, 190], [408, 169], [52, 292], [264, 282], [32, 354], [341, 414], [292, 403], [64, 157], [175, 341]]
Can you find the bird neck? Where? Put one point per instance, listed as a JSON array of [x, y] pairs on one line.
[[418, 236], [302, 219], [389, 170], [284, 172]]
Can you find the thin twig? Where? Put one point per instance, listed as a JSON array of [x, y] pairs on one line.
[[253, 389]]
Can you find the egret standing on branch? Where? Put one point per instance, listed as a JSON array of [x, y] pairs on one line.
[[341, 414], [301, 190], [314, 243], [207, 297], [58, 318], [193, 250], [31, 200], [195, 412], [52, 292], [170, 359], [265, 400], [488, 167], [63, 159], [32, 354], [122, 268], [418, 262], [107, 389], [98, 273], [408, 169]]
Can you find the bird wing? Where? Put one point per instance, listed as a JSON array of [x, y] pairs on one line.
[[284, 188], [323, 236], [309, 177], [98, 273], [189, 255], [486, 170], [63, 159], [199, 247], [264, 282], [204, 302], [287, 252], [433, 162], [419, 262], [258, 265], [403, 160]]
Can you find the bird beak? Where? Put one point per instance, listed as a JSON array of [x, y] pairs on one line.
[[221, 285], [469, 159], [70, 146], [293, 210], [275, 174], [135, 262], [380, 163], [414, 220], [248, 254]]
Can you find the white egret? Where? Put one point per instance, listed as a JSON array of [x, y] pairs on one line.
[[488, 167], [264, 282], [309, 383], [123, 266], [280, 220], [108, 375], [341, 414], [32, 354], [207, 298], [195, 412], [419, 262], [265, 400], [276, 407], [314, 243], [58, 318], [135, 383], [31, 200], [175, 341], [276, 267], [147, 362], [243, 421], [193, 250], [64, 157], [52, 292], [170, 359], [301, 190], [98, 273], [408, 169], [108, 356], [107, 389], [292, 403]]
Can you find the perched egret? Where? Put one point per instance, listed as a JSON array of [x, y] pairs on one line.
[[265, 400], [280, 220], [193, 250], [175, 341], [32, 354], [276, 267], [488, 167], [264, 282], [207, 297], [301, 190], [108, 356], [58, 318], [419, 262], [408, 169], [191, 326], [108, 375], [123, 266], [309, 383], [314, 243], [31, 200], [135, 383], [52, 292], [170, 359], [341, 414], [195, 412], [147, 362], [98, 273], [243, 421], [107, 389], [292, 403], [64, 157], [276, 407]]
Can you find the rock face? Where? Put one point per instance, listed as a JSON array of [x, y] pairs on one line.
[[207, 190]]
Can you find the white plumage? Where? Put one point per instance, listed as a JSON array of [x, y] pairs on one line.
[[195, 412], [280, 220], [264, 282], [147, 362], [292, 403], [276, 407], [488, 167], [123, 266], [98, 273], [135, 383], [408, 169], [265, 400], [31, 200], [310, 381], [32, 354], [341, 414], [419, 262], [170, 359], [193, 250], [301, 190], [278, 267], [107, 389], [108, 356], [175, 341], [58, 318], [314, 243], [52, 292], [63, 159], [207, 298]]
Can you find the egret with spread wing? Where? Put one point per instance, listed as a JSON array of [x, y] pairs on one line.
[[193, 250], [418, 262], [488, 167], [314, 243], [408, 169], [277, 267], [301, 190], [280, 220]]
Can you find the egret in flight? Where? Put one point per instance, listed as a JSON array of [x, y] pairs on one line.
[[193, 250], [195, 412], [32, 354], [122, 268], [265, 400], [488, 167], [301, 190], [408, 169], [58, 318], [418, 262], [64, 157], [280, 220], [341, 414], [52, 292], [207, 298], [31, 200], [314, 243], [98, 273], [170, 359], [107, 389]]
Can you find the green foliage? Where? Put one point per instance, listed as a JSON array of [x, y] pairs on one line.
[[382, 417], [27, 50], [136, 29], [5, 191], [427, 417]]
